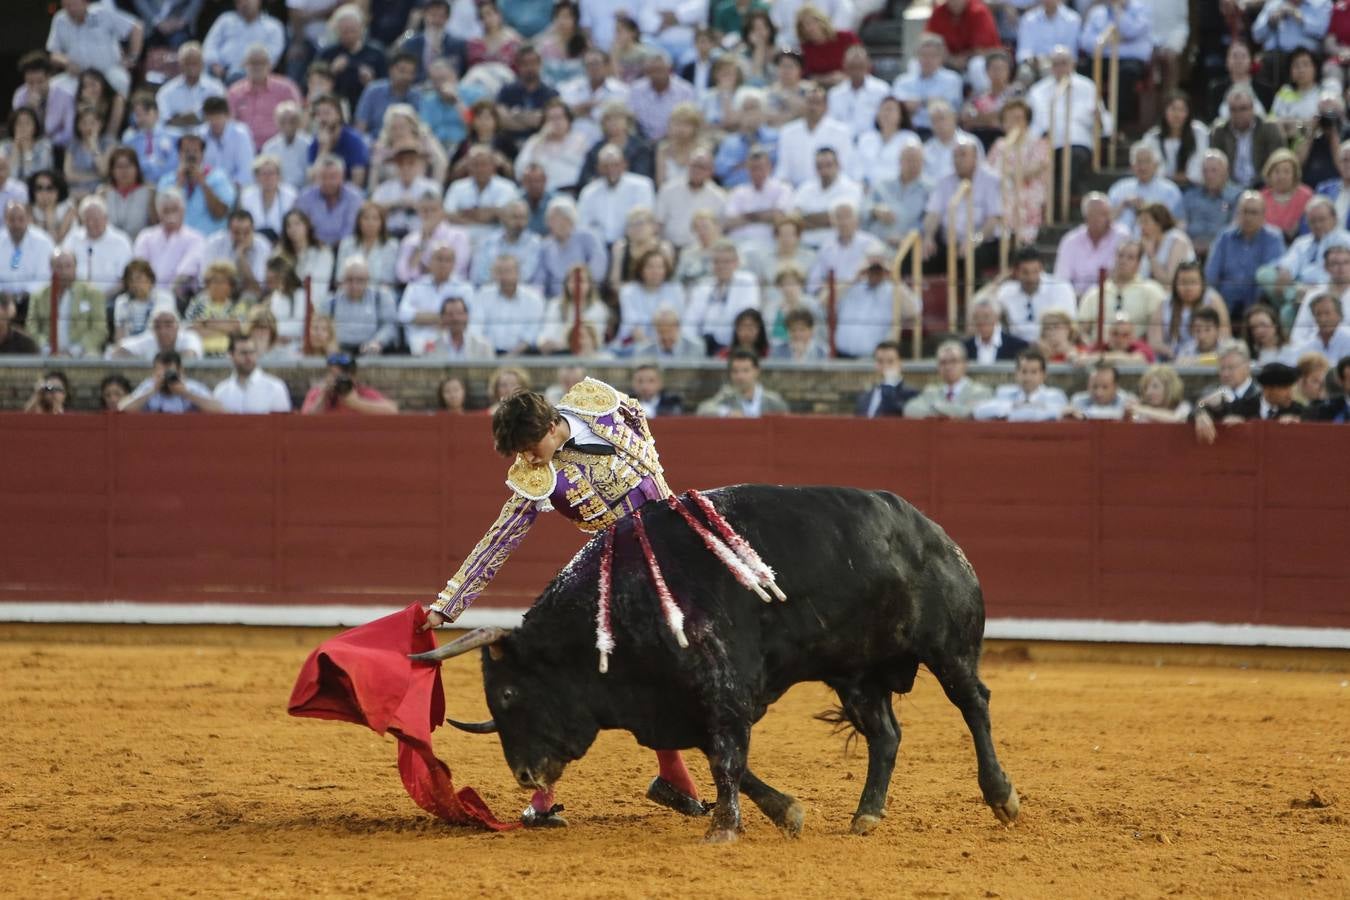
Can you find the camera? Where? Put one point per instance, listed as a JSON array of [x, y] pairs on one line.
[[171, 377], [52, 388], [342, 385], [1327, 120]]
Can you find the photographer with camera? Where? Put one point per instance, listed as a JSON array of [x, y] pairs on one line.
[[341, 394], [1318, 146], [49, 395], [168, 391]]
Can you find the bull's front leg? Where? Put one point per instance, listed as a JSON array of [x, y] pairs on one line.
[[727, 753]]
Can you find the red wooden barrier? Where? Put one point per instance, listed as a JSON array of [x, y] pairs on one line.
[[1073, 520]]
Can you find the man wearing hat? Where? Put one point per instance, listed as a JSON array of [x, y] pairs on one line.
[[1276, 401], [397, 196]]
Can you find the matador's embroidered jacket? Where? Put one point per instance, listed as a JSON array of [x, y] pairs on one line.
[[593, 491]]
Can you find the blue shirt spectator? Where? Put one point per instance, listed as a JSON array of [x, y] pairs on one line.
[[1288, 26], [229, 144], [1238, 252], [381, 93], [331, 203], [1046, 27], [732, 152], [434, 41], [1134, 23], [196, 180], [930, 81]]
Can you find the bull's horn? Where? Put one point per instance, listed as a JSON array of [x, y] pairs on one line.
[[488, 727], [479, 637]]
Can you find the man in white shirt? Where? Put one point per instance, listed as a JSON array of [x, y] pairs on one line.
[[88, 35], [25, 253], [1075, 111], [249, 389], [1147, 185], [454, 341], [101, 252], [1337, 261], [1333, 336], [398, 196], [476, 202], [510, 314], [1235, 378], [677, 201], [173, 249], [234, 32], [854, 100], [241, 245], [515, 239], [799, 139], [1029, 399], [1031, 293], [290, 145], [164, 334], [229, 143], [753, 208], [1103, 400], [419, 310], [605, 202], [715, 302], [988, 342], [1042, 29], [1139, 298], [931, 82], [844, 252], [588, 94], [815, 198], [180, 99]]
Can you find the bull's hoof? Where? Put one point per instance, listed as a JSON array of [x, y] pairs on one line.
[[533, 818], [1008, 809], [666, 794], [721, 836], [791, 821], [865, 824]]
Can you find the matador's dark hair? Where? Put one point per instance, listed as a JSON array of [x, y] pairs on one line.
[[521, 421]]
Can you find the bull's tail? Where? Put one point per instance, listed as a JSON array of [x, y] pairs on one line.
[[839, 723]]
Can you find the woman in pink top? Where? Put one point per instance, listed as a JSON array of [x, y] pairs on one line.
[[1285, 194]]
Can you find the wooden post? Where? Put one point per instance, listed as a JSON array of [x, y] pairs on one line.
[[575, 343], [1101, 307], [306, 347], [962, 193], [1111, 36], [831, 310], [912, 245], [53, 313]]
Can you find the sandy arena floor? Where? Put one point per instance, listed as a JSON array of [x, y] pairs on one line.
[[161, 762]]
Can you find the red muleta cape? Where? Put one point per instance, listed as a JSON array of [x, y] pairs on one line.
[[364, 676]]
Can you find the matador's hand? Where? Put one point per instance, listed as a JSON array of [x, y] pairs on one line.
[[434, 620]]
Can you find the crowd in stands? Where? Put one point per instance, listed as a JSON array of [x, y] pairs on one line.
[[461, 180]]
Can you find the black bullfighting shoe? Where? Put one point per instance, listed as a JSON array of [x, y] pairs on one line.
[[667, 794], [533, 818]]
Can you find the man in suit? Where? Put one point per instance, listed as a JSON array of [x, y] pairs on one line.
[[1275, 402], [648, 390], [953, 395], [434, 41], [1335, 409], [889, 395], [743, 396], [1235, 378], [990, 343], [1337, 190], [1245, 138]]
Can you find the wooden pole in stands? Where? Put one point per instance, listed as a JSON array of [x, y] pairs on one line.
[[306, 347]]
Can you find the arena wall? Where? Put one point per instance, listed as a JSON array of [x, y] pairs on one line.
[[1096, 531]]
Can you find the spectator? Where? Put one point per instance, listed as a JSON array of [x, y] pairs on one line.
[[382, 93], [219, 310], [370, 238], [334, 138], [1166, 245], [289, 146], [872, 309], [454, 341], [365, 315], [1235, 379], [101, 253], [747, 333], [522, 101], [1089, 247], [855, 99], [26, 149], [988, 342], [342, 393], [1032, 293], [1103, 400], [801, 344], [877, 155], [938, 149], [1335, 409], [895, 206], [640, 299], [822, 46], [648, 390], [397, 196], [512, 239], [743, 396], [476, 202], [249, 389], [1238, 62], [434, 41], [677, 202], [844, 251], [331, 204], [670, 341], [1121, 344], [1029, 399], [155, 149], [591, 96], [90, 36], [300, 247], [420, 309], [441, 107], [1126, 291], [916, 89], [1317, 151], [787, 93], [50, 102], [180, 99], [1160, 397], [1060, 340], [86, 164], [1337, 190], [28, 250], [112, 390], [167, 390], [953, 395], [1170, 327], [1133, 24], [355, 61], [786, 295], [983, 112], [1211, 205], [1338, 272], [1240, 251], [1296, 102], [13, 340], [801, 140], [1265, 336], [568, 244], [1179, 141], [606, 201], [816, 199], [1311, 389], [52, 209], [229, 43], [1145, 186], [618, 127], [1076, 115], [715, 302], [241, 245], [498, 43], [1333, 336], [267, 200], [1043, 27], [754, 206], [261, 326], [414, 253], [1245, 138], [321, 339], [285, 301], [452, 396], [81, 311], [759, 43], [559, 333], [401, 127], [1020, 155], [890, 395], [49, 394], [1276, 402], [717, 105], [131, 308], [1305, 260], [173, 249], [683, 139], [977, 235], [11, 188], [255, 98], [207, 193], [1287, 198]]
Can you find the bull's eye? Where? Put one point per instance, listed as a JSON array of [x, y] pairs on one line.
[[509, 695]]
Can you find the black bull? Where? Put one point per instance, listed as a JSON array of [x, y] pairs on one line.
[[874, 589]]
